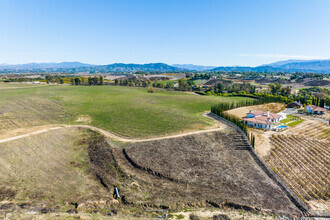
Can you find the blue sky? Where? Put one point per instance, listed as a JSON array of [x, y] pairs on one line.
[[206, 32]]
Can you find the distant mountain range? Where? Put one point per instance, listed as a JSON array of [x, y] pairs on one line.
[[73, 67], [62, 65], [316, 66], [194, 67]]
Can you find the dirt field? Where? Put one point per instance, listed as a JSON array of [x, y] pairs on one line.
[[75, 169], [272, 107], [195, 171], [47, 171]]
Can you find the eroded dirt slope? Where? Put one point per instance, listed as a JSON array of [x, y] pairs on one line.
[[198, 170]]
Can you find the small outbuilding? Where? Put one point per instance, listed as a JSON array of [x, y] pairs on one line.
[[315, 109], [294, 104]]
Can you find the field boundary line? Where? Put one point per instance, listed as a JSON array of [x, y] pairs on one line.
[[264, 166], [112, 135]]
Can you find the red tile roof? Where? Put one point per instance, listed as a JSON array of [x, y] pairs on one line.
[[316, 108], [259, 120], [274, 115], [271, 115], [258, 112]]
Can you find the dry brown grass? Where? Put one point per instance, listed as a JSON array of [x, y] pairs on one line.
[[51, 167], [197, 170], [30, 112], [272, 107], [202, 170]]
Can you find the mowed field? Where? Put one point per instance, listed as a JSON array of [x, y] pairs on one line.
[[126, 111]]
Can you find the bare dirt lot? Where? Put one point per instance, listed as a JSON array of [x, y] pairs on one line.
[[76, 170], [197, 171]]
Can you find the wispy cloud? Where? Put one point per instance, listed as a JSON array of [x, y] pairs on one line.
[[282, 56]]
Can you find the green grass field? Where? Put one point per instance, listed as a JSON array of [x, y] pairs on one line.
[[127, 111]]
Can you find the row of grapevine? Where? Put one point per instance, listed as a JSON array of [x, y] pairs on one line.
[[303, 164]]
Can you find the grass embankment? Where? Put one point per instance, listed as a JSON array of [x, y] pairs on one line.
[[127, 111]]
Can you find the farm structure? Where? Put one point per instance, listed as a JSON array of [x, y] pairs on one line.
[[260, 119], [315, 109], [294, 104]]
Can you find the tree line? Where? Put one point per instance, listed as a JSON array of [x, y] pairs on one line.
[[181, 85], [91, 81], [221, 108]]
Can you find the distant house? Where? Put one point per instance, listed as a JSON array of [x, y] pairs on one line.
[[294, 104], [315, 109], [175, 84], [260, 119], [206, 86]]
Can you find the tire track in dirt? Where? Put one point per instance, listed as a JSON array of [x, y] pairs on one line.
[[116, 137]]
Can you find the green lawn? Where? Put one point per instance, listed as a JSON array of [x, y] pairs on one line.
[[127, 111], [290, 118]]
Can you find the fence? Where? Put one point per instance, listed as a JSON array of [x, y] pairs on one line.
[[292, 196]]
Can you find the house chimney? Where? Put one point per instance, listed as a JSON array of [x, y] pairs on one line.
[[250, 111], [267, 113]]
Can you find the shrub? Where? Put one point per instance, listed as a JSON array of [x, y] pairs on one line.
[[151, 90]]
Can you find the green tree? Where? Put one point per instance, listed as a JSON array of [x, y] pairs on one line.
[[101, 80], [95, 80], [77, 81], [183, 85], [137, 82], [90, 81], [169, 85], [275, 89]]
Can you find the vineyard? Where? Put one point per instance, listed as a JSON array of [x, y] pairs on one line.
[[303, 164], [312, 129]]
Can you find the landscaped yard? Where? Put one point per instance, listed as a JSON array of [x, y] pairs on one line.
[[291, 120]]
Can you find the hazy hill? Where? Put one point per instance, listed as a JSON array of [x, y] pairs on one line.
[[121, 67], [82, 67], [62, 65], [317, 66], [308, 65], [193, 67]]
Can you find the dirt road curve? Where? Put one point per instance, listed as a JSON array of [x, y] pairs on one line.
[[111, 135]]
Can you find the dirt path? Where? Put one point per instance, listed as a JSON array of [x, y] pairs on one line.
[[114, 136]]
